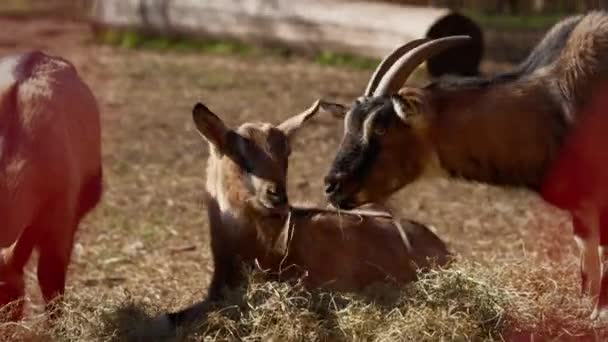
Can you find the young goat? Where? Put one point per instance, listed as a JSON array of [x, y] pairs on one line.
[[50, 169], [251, 219], [505, 130]]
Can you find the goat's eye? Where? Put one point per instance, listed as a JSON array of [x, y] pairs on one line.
[[380, 130]]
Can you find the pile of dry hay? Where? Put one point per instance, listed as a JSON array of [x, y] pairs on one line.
[[467, 301], [459, 301]]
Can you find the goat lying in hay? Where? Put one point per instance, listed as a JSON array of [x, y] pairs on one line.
[[251, 220], [50, 169], [504, 130]]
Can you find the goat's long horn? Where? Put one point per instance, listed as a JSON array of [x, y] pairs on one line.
[[400, 71], [388, 61]]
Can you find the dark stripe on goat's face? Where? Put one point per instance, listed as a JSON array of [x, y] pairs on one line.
[[359, 148]]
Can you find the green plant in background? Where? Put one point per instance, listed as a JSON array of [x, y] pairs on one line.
[[131, 40], [135, 40], [514, 21], [336, 59]]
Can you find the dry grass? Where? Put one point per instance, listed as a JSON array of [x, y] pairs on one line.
[[443, 304], [263, 310], [145, 248]]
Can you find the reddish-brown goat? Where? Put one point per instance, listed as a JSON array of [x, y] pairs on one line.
[[50, 169], [506, 130]]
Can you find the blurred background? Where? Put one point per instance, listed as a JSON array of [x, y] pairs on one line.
[[504, 30], [511, 6]]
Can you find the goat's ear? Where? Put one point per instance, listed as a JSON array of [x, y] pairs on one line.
[[290, 126], [210, 126], [335, 109], [409, 103]]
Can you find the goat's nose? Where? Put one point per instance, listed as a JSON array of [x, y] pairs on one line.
[[332, 183], [276, 194]]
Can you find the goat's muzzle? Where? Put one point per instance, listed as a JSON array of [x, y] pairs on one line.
[[335, 190], [275, 197], [333, 183]]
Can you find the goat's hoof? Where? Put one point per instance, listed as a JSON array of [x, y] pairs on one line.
[[600, 315]]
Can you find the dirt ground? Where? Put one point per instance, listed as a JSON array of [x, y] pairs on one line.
[[148, 238]]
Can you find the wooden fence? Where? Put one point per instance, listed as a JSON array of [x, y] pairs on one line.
[[365, 28]]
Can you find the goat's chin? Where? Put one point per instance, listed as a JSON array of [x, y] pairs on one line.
[[267, 209], [345, 202]]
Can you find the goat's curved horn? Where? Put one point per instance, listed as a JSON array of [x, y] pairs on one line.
[[400, 71], [388, 61]]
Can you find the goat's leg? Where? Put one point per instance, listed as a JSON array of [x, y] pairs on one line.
[[55, 249], [12, 262], [586, 234], [227, 273], [601, 307], [12, 287]]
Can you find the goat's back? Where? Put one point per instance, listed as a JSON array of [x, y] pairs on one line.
[[49, 141], [583, 62], [424, 244], [349, 252]]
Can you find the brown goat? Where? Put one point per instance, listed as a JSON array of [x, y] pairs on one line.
[[504, 130], [251, 220], [50, 169]]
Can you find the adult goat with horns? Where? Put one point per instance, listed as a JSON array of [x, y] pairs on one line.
[[506, 130]]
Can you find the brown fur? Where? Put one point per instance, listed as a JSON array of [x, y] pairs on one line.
[[344, 251], [505, 131], [50, 169]]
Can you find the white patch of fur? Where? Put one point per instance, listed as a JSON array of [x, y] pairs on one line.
[[368, 126], [8, 70], [216, 189], [580, 242], [214, 182], [347, 118], [399, 110], [253, 182]]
